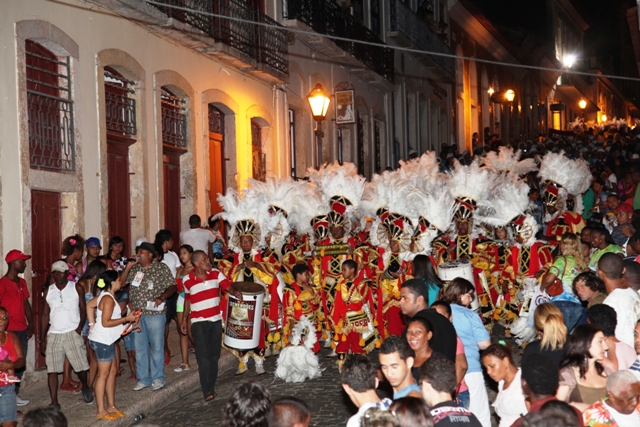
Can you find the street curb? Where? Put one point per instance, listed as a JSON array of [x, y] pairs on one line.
[[172, 392]]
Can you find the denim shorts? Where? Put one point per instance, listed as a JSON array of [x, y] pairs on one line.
[[129, 343], [104, 353], [8, 407]]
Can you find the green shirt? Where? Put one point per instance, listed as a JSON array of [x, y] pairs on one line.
[[595, 257], [156, 278], [566, 269]]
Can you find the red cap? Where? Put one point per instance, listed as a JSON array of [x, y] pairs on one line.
[[15, 254], [625, 207]]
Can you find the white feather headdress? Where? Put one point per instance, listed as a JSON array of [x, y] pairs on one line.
[[436, 210], [506, 161], [245, 216], [573, 175], [509, 198], [470, 186]]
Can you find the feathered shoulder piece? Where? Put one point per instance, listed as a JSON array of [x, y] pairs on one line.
[[572, 175], [506, 161]]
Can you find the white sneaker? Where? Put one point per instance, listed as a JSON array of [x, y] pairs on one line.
[[157, 385], [20, 401], [139, 386]]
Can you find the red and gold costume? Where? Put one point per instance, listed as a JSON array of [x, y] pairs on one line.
[[389, 315], [352, 315], [299, 302]]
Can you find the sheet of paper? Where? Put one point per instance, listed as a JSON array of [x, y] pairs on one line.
[[151, 307]]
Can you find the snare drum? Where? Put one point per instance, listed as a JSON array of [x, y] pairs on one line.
[[244, 317], [453, 269]]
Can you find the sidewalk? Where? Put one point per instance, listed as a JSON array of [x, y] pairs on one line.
[[132, 403]]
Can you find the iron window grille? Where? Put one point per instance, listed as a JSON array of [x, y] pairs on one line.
[[174, 120], [120, 109], [216, 120], [50, 110]]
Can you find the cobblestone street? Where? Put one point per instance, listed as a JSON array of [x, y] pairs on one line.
[[330, 406]]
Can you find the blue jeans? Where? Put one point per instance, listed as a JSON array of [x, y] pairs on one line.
[[150, 349], [571, 311], [463, 399], [8, 406]]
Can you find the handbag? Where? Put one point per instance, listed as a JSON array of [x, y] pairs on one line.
[[556, 288]]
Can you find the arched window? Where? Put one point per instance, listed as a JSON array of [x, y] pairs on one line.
[[50, 110], [120, 107], [174, 119]]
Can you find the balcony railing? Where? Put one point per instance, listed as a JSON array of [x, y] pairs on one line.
[[268, 46], [51, 139], [327, 17], [404, 21], [174, 120]]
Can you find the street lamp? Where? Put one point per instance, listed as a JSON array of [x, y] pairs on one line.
[[582, 104], [568, 60], [510, 95], [603, 118], [319, 104], [490, 91]]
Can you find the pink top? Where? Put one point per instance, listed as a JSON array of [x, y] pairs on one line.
[[460, 350], [626, 355]]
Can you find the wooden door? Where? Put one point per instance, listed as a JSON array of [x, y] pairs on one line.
[[217, 171], [172, 198], [119, 206], [46, 240]]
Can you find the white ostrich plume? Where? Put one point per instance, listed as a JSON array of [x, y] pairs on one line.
[[509, 198], [573, 175], [339, 180], [508, 161], [471, 181]]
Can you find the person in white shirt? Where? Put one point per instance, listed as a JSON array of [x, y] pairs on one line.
[[199, 238], [624, 300], [620, 407], [359, 381]]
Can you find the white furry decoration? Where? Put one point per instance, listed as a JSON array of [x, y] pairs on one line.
[[506, 161], [297, 362]]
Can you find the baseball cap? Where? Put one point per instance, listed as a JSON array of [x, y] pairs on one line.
[[15, 254], [147, 247], [92, 241], [60, 266], [625, 207]]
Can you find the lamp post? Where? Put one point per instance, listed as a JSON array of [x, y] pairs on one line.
[[319, 103], [582, 104], [510, 95]]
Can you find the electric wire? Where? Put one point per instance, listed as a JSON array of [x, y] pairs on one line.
[[399, 48]]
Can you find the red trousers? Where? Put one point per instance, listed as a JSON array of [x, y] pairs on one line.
[[352, 342]]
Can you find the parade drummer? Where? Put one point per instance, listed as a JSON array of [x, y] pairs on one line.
[[249, 263]]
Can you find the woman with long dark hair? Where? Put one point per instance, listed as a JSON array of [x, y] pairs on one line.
[[459, 293], [115, 253], [88, 283], [582, 377], [424, 270], [104, 333]]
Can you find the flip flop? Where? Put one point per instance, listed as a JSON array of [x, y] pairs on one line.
[[108, 417], [210, 397]]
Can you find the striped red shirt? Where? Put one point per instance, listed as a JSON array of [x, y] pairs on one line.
[[204, 295]]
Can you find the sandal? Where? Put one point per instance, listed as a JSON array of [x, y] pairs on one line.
[[117, 412], [210, 397], [73, 389], [182, 367], [108, 417]]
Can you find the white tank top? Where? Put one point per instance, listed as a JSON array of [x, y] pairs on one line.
[[64, 309], [99, 333]]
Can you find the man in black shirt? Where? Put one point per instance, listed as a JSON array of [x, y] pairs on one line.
[[437, 385], [413, 303]]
